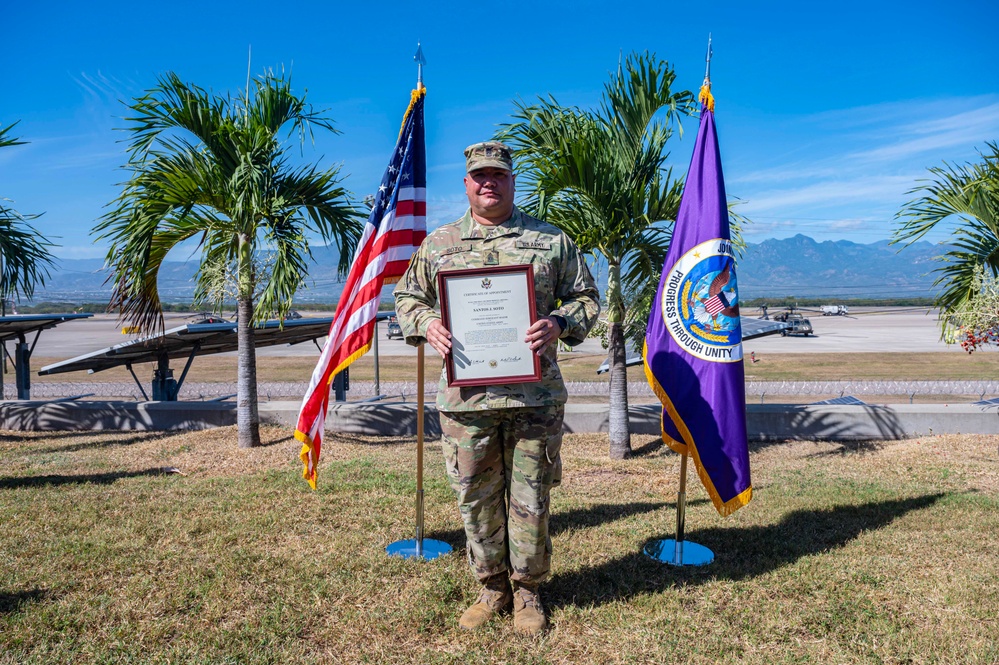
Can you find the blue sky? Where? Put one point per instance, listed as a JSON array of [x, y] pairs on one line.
[[827, 113]]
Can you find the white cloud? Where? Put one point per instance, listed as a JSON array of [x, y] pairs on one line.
[[444, 210], [961, 131], [849, 224], [849, 171], [874, 188], [103, 91], [80, 252]]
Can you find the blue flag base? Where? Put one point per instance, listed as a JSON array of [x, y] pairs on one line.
[[684, 553], [425, 548]]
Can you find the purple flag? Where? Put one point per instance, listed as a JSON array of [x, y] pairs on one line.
[[693, 344]]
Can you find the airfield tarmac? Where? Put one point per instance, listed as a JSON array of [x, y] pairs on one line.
[[869, 330], [903, 329]]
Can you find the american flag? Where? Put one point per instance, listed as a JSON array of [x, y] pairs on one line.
[[715, 304], [396, 227]]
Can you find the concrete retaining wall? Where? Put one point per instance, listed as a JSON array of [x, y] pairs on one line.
[[128, 416], [764, 421]]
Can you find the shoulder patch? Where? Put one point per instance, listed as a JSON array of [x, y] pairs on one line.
[[533, 244]]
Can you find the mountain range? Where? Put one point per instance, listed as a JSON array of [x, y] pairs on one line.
[[800, 266], [797, 266]]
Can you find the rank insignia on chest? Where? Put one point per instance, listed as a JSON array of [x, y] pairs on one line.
[[492, 258]]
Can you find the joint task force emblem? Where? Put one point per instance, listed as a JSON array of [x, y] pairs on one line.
[[700, 303]]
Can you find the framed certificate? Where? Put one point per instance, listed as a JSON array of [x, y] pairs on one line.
[[488, 311]]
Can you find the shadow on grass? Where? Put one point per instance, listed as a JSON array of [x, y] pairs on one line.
[[283, 439], [137, 437], [649, 447], [849, 447], [374, 441], [94, 478], [580, 518], [740, 553], [13, 601], [48, 435]]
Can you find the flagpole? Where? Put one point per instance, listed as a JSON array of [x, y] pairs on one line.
[[419, 450], [420, 61], [681, 509], [419, 547], [420, 400], [679, 551], [707, 62]]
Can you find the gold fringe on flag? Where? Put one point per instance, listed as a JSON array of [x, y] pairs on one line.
[[688, 446]]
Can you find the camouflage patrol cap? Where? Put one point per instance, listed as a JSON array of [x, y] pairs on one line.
[[488, 154]]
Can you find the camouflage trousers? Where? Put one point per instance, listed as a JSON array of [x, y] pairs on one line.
[[502, 464]]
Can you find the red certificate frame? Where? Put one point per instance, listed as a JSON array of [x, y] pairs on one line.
[[487, 311]]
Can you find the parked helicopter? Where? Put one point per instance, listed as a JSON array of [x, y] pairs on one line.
[[796, 322]]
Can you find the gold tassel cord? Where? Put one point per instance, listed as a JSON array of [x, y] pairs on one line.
[[414, 96], [705, 97]]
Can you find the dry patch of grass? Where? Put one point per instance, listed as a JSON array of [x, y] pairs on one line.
[[942, 366], [877, 552]]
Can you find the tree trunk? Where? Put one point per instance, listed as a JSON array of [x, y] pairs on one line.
[[247, 416], [620, 435]]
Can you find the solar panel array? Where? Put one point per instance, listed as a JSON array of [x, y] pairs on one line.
[[192, 338]]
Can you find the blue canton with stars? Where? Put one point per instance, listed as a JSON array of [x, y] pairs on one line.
[[407, 168]]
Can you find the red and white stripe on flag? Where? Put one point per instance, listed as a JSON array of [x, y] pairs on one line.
[[714, 305], [395, 229]]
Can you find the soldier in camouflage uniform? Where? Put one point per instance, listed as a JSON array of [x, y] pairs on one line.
[[501, 443]]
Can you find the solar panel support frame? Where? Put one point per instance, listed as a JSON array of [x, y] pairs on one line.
[[16, 328], [22, 367], [131, 371]]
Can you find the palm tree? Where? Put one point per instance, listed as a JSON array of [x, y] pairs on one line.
[[967, 196], [25, 258], [215, 167], [601, 177]]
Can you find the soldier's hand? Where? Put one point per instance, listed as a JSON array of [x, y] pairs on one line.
[[542, 333], [439, 338]]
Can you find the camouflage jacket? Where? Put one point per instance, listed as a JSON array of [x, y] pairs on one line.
[[563, 286]]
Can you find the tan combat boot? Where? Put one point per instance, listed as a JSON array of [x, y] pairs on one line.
[[528, 614], [494, 599]]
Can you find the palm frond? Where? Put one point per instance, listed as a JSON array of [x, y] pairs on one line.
[[966, 197], [643, 89], [212, 166], [25, 259], [5, 139], [601, 175], [324, 206]]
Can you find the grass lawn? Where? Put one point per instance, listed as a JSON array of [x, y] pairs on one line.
[[867, 553]]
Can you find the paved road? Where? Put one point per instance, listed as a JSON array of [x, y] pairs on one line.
[[874, 330], [901, 329]]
